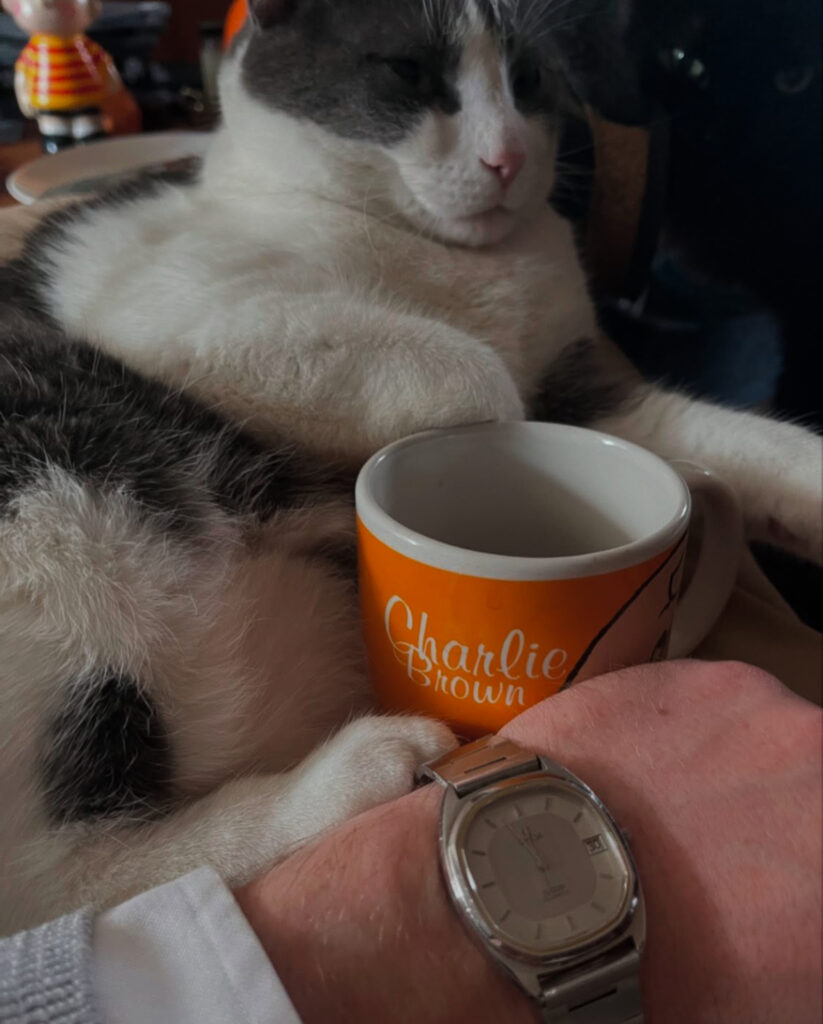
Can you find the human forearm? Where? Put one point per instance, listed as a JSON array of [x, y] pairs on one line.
[[360, 927]]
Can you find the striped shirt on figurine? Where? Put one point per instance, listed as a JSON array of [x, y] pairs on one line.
[[66, 74]]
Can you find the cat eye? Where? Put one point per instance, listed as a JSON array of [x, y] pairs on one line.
[[793, 81], [684, 64], [405, 68], [526, 79]]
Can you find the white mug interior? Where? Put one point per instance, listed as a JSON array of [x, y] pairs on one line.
[[522, 500]]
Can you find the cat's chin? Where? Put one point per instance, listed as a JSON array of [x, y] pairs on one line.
[[479, 230], [475, 231]]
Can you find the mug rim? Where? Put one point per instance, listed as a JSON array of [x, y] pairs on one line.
[[489, 565]]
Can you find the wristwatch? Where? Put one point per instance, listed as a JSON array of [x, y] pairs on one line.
[[544, 878]]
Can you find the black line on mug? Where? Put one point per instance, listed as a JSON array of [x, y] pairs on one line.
[[585, 655]]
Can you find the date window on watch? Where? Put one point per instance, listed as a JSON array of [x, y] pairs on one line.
[[594, 844]]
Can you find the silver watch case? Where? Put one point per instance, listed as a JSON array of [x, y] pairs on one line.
[[535, 973]]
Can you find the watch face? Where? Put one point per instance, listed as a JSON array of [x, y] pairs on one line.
[[544, 867]]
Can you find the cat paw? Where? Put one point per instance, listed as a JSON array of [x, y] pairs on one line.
[[373, 759], [797, 520], [483, 390], [503, 403], [457, 389], [805, 540]]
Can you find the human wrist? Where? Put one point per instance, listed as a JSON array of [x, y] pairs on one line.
[[360, 927]]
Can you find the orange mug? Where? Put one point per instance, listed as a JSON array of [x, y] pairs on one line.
[[501, 562]]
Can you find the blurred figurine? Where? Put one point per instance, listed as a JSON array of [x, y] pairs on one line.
[[63, 79]]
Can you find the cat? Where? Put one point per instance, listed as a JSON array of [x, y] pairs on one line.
[[191, 372]]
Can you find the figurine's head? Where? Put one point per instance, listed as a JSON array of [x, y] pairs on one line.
[[53, 17]]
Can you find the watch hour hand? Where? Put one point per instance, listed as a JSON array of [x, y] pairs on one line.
[[529, 846]]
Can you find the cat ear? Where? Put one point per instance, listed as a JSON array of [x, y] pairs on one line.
[[265, 13]]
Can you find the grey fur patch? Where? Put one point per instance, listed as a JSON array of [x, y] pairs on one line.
[[338, 556], [370, 69], [576, 390], [362, 70], [66, 404], [24, 282], [105, 753]]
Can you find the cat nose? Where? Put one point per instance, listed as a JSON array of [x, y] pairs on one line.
[[506, 165]]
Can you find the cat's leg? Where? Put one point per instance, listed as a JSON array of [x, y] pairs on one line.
[[352, 376], [776, 468], [244, 826], [340, 374]]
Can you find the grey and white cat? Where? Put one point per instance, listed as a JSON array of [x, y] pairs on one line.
[[191, 373]]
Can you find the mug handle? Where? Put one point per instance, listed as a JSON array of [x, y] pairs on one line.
[[721, 548]]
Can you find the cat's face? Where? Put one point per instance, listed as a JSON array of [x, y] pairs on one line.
[[452, 97]]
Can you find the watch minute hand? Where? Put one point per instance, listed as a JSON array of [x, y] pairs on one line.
[[527, 845]]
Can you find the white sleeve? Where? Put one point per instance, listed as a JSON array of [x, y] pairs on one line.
[[185, 953]]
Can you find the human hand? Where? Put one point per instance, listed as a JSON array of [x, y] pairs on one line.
[[715, 770]]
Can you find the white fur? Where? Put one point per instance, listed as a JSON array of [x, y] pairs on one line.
[[309, 287], [240, 684], [299, 292], [775, 468]]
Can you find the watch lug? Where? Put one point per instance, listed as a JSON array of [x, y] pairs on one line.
[[553, 768], [525, 977]]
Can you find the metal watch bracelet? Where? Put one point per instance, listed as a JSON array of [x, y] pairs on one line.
[[604, 991]]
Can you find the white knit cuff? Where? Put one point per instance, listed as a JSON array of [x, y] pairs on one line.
[[45, 974]]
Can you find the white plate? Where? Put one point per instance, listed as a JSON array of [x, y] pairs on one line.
[[90, 167]]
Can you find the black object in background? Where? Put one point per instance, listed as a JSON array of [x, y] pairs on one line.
[[741, 83], [728, 304], [734, 86]]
